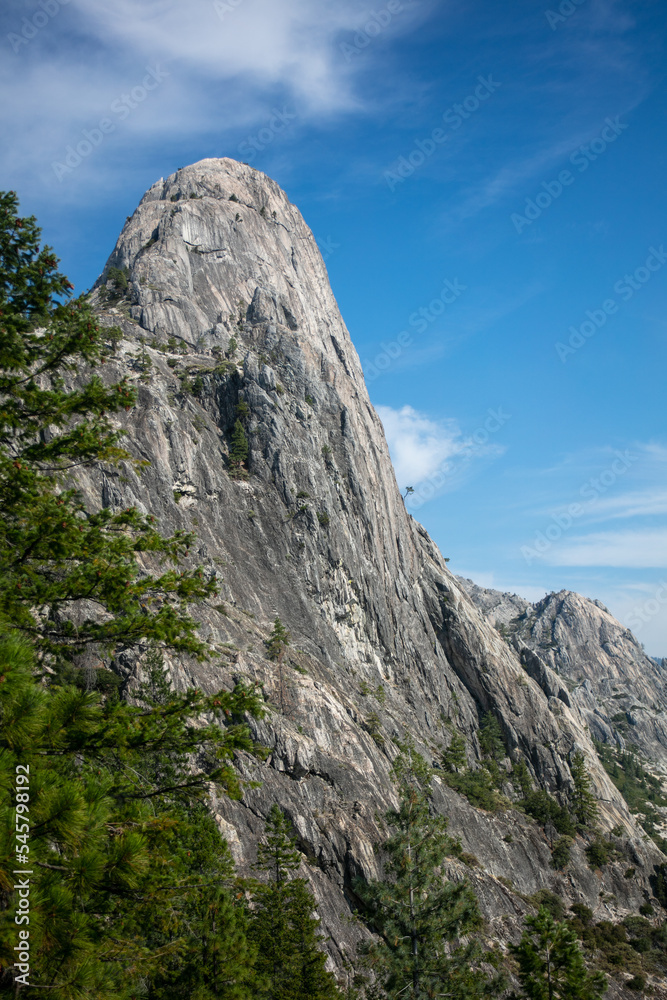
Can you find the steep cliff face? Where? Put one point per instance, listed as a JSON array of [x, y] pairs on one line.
[[230, 296]]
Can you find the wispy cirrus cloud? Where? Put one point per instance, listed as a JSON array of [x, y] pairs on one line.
[[226, 67], [639, 549]]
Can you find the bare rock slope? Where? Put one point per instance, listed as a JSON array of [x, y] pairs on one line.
[[228, 313]]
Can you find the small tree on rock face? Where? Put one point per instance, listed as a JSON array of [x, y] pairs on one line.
[[491, 738], [583, 800], [454, 758], [417, 912], [551, 964], [238, 453], [278, 641]]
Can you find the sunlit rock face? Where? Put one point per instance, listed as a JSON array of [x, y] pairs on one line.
[[229, 294]]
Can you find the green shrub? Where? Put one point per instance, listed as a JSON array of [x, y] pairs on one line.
[[552, 903], [323, 518], [560, 854], [636, 983], [373, 727], [478, 787], [598, 853]]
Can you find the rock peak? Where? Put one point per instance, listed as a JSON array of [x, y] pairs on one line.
[[219, 277]]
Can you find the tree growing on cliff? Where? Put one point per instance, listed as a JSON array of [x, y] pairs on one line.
[[551, 964], [583, 800], [238, 453], [454, 758], [420, 915], [290, 963]]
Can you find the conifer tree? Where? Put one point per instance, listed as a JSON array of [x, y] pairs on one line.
[[122, 851], [290, 964], [121, 896], [238, 453], [491, 738], [583, 800], [278, 641], [56, 552], [419, 914], [551, 964], [454, 758]]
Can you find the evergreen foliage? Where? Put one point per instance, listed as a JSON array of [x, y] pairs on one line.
[[54, 551], [131, 885], [419, 915], [238, 453], [277, 642], [491, 739], [641, 790], [545, 809], [583, 800], [290, 964], [454, 758], [126, 863], [551, 964]]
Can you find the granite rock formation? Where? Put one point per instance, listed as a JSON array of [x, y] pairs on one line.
[[228, 314]]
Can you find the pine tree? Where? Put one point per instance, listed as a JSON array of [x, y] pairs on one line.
[[454, 758], [238, 453], [290, 964], [55, 416], [117, 797], [491, 738], [416, 911], [122, 849], [278, 641], [583, 800], [551, 964]]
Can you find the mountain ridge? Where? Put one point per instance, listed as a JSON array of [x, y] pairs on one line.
[[226, 314]]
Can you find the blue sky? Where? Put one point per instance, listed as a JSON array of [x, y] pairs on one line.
[[487, 184]]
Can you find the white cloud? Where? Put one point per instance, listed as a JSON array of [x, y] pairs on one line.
[[226, 74], [629, 549], [639, 504], [418, 446]]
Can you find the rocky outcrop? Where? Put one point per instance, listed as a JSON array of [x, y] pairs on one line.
[[574, 644], [228, 315]]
